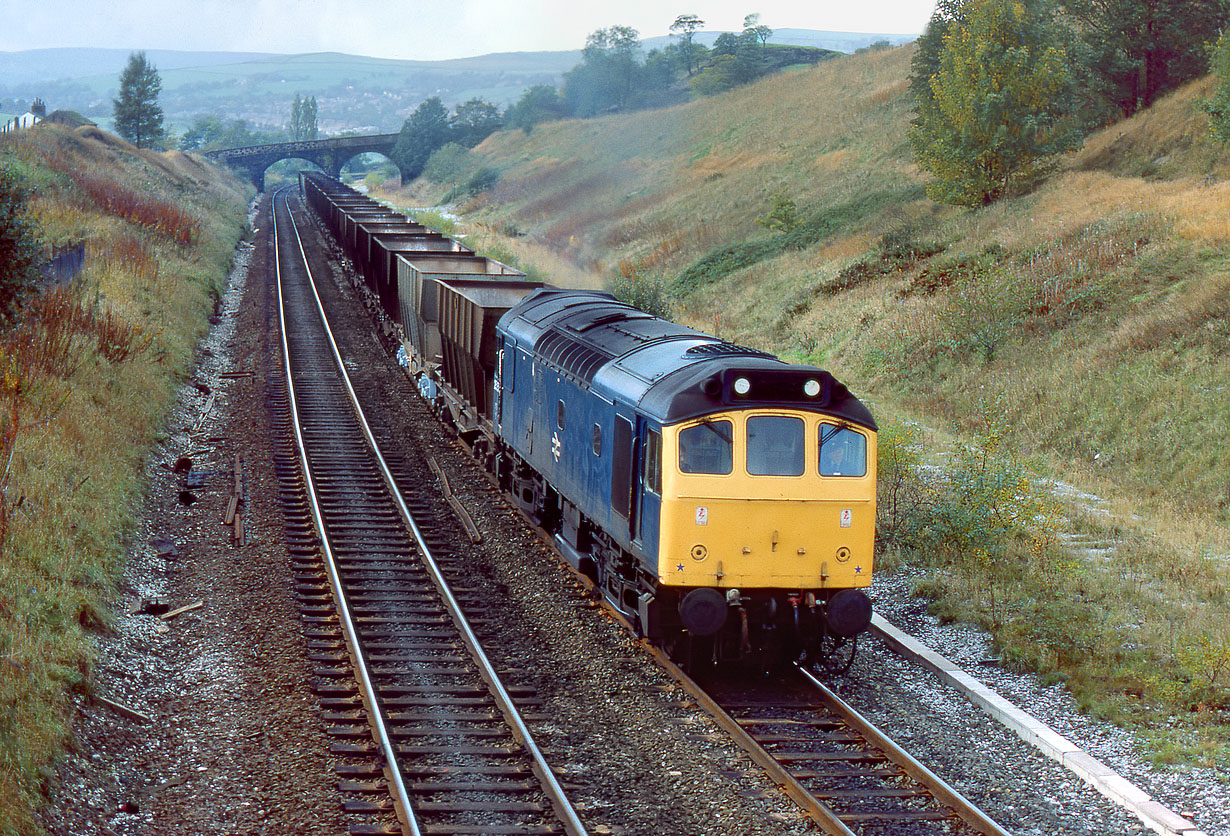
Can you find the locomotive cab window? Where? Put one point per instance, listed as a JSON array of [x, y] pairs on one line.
[[775, 445], [597, 440], [843, 452], [653, 462], [707, 448], [559, 414]]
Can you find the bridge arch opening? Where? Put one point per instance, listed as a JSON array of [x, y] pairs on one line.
[[371, 169], [285, 172]]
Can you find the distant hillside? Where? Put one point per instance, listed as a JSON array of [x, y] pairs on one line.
[[353, 92], [836, 41], [38, 66]]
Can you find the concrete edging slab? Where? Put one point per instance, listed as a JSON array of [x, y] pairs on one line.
[[1105, 780]]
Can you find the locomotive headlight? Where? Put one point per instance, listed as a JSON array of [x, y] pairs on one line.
[[811, 388], [742, 386]]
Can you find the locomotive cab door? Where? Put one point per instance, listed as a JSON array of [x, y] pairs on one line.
[[623, 473], [636, 480], [648, 489]]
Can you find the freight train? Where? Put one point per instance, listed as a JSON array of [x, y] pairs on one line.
[[722, 500]]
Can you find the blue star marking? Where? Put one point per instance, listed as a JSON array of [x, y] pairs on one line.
[[858, 570], [680, 567]]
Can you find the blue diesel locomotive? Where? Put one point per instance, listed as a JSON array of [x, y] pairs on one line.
[[722, 500]]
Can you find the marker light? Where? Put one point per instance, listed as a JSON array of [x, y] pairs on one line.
[[742, 386], [811, 388]]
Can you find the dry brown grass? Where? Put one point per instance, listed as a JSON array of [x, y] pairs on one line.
[[1198, 313], [631, 182], [724, 164]]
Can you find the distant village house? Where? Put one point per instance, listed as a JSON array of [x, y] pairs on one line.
[[36, 114]]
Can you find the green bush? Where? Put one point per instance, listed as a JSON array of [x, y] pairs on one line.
[[20, 252], [899, 483], [434, 219], [783, 217], [482, 180], [449, 164], [988, 517], [644, 291]]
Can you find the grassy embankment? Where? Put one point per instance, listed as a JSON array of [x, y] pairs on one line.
[[88, 376], [1081, 331]]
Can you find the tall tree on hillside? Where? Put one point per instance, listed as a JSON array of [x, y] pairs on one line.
[[926, 61], [1003, 103], [295, 128], [474, 121], [311, 129], [426, 130], [752, 26], [303, 119], [138, 116], [608, 75], [685, 27], [1136, 50], [734, 60]]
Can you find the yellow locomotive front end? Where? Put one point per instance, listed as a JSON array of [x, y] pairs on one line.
[[769, 515]]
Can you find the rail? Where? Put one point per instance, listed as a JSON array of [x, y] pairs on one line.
[[552, 790]]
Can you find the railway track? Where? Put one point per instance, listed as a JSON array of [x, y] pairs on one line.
[[428, 737], [845, 773]]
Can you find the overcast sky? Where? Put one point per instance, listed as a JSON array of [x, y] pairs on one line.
[[422, 29]]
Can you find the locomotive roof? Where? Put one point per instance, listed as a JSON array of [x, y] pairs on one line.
[[672, 372]]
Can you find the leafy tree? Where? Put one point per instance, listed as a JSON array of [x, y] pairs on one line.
[[1136, 50], [608, 75], [658, 74], [211, 132], [753, 27], [1002, 103], [474, 121], [926, 61], [448, 164], [722, 73], [138, 116], [295, 128], [303, 119], [736, 59], [540, 103], [20, 253], [309, 128], [425, 131], [685, 27]]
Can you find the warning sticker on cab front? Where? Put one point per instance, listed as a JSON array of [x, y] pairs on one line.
[[846, 517], [702, 515]]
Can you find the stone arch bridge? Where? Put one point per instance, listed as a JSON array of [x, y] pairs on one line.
[[329, 154]]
